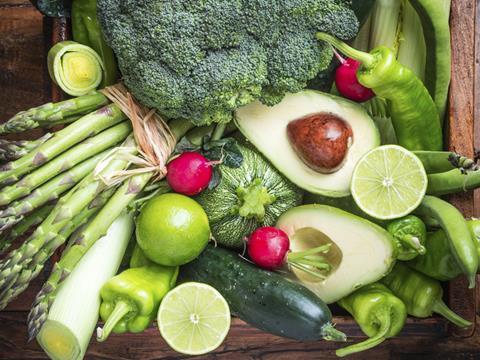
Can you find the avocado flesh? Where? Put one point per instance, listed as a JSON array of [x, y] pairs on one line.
[[362, 252], [266, 128]]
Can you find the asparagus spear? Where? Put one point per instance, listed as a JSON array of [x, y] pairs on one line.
[[79, 245], [81, 129], [47, 192], [22, 227], [30, 272], [89, 147], [14, 149], [54, 113], [68, 206]]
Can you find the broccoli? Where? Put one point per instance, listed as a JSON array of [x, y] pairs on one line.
[[202, 59]]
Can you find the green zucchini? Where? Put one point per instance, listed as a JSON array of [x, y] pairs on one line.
[[434, 15], [262, 298]]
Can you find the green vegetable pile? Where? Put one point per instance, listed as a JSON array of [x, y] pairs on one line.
[[202, 60], [201, 178]]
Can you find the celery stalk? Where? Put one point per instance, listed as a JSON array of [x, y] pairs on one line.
[[74, 312], [362, 40], [412, 51], [386, 24]]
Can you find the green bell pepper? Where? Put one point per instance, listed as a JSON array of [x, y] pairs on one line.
[[439, 262], [378, 312], [410, 235], [422, 295], [131, 299], [86, 30]]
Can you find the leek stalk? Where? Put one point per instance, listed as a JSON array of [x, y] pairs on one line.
[[74, 313]]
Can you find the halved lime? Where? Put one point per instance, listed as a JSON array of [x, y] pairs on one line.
[[194, 318], [389, 182]]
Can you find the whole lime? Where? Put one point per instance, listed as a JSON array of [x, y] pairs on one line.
[[172, 229]]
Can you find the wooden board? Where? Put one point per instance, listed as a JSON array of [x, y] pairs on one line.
[[24, 82]]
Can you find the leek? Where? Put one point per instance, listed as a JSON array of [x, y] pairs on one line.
[[76, 68], [412, 51], [74, 313]]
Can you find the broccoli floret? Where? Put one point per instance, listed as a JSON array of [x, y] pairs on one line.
[[203, 59]]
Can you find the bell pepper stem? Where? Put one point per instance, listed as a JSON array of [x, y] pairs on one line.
[[122, 308], [413, 243], [385, 324], [367, 60], [329, 333], [441, 308]]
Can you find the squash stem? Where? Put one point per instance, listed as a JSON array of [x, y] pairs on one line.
[[122, 308]]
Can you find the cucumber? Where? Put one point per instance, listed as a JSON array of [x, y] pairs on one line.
[[434, 15], [261, 298]]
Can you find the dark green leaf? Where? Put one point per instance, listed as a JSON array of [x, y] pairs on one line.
[[224, 150], [54, 8], [216, 178], [185, 145]]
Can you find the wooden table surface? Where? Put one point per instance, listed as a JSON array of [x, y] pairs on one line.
[[24, 82]]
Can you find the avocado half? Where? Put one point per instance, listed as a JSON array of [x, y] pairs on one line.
[[266, 128], [360, 253]]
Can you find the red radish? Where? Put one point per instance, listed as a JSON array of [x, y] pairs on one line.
[[189, 174], [347, 82], [269, 248]]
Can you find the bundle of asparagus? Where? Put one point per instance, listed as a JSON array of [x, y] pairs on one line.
[[57, 184]]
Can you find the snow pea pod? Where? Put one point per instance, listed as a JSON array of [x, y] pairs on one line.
[[412, 109], [378, 312], [438, 262], [436, 162], [458, 234], [422, 295], [452, 182]]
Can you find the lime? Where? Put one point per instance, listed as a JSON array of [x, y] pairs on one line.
[[388, 182], [194, 318], [172, 229]]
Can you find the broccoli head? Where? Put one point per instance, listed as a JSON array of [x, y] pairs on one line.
[[202, 59]]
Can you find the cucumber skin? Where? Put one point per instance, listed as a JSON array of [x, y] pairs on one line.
[[261, 298]]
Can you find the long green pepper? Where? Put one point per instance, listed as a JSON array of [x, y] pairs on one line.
[[412, 109], [378, 312], [460, 240], [422, 295], [439, 262]]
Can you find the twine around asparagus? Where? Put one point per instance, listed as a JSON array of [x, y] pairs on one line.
[[154, 139]]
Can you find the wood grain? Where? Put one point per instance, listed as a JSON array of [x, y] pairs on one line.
[[461, 133]]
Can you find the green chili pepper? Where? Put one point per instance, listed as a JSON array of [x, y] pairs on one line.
[[86, 30], [438, 262], [378, 312], [138, 258], [460, 240], [410, 235], [412, 109], [422, 295], [131, 299]]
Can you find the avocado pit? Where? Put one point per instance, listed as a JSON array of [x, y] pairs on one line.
[[321, 141]]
